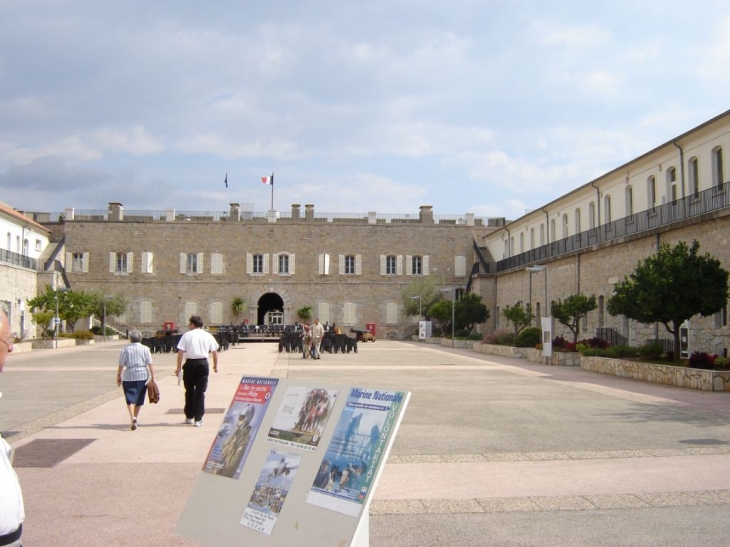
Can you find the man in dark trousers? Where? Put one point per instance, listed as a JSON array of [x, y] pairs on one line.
[[196, 344]]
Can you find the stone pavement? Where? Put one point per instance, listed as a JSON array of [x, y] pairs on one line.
[[492, 451]]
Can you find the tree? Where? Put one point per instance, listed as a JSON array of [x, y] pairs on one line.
[[305, 313], [671, 287], [426, 288], [73, 305], [238, 307], [470, 311], [441, 312], [104, 306], [572, 310], [43, 307], [519, 317]]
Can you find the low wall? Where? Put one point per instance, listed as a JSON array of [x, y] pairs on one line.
[[704, 380], [557, 359], [503, 351], [22, 347], [50, 344]]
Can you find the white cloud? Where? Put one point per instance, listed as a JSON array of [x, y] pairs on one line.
[[136, 141]]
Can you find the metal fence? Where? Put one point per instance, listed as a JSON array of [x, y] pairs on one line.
[[10, 257]]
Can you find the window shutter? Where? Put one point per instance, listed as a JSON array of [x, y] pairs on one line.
[[130, 262], [324, 312], [112, 262], [216, 313], [391, 313], [275, 263], [424, 265], [399, 265], [321, 263], [199, 268], [383, 258], [266, 263], [324, 264], [85, 265], [145, 312], [342, 265], [358, 264], [291, 264], [349, 313], [460, 266], [216, 264], [409, 265], [183, 263], [249, 263], [69, 262]]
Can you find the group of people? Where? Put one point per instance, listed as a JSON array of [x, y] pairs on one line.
[[136, 370], [312, 339]]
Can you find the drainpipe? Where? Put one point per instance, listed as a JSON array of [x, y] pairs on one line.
[[547, 224], [681, 165], [598, 203]]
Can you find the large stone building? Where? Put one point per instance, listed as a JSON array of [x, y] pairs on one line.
[[354, 270]]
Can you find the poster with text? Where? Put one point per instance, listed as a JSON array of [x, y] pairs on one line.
[[302, 417], [270, 492], [356, 450], [240, 425]]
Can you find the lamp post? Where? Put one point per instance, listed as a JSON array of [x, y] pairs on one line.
[[453, 306], [56, 319], [103, 317]]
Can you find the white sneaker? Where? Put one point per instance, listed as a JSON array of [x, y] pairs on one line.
[[189, 421], [199, 423]]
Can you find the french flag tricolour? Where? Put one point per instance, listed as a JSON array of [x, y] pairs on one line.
[[268, 180]]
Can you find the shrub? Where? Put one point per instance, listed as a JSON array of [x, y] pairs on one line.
[[83, 335], [652, 351], [701, 359], [595, 342], [722, 363], [528, 337], [96, 329], [614, 352], [507, 339], [493, 337], [474, 336], [462, 333], [559, 342]]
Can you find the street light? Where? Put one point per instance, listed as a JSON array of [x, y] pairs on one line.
[[56, 319], [541, 268], [453, 306], [103, 317]]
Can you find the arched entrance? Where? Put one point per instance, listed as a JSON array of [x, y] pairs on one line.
[[269, 302]]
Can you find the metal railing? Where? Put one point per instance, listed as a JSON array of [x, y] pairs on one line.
[[17, 259], [715, 198]]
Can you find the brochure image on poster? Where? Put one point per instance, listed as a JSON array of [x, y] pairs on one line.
[[240, 425], [302, 417], [270, 491], [355, 452]]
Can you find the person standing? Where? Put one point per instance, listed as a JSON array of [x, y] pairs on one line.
[[132, 374], [306, 340], [12, 511], [317, 334], [196, 344]]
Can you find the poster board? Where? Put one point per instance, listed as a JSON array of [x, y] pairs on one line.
[[293, 463]]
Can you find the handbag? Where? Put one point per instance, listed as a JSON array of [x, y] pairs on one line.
[[153, 392]]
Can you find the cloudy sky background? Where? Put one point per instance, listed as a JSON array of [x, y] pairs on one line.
[[491, 107]]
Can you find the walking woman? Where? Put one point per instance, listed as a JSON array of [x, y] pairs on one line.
[[132, 374]]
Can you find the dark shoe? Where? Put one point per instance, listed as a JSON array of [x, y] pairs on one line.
[[134, 424]]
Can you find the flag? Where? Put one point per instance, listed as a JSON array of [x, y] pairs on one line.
[[268, 180], [226, 181]]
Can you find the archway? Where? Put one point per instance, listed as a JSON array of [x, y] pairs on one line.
[[269, 302]]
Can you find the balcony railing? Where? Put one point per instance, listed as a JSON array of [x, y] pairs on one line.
[[18, 259], [717, 197]]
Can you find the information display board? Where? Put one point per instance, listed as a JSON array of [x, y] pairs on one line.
[[293, 464]]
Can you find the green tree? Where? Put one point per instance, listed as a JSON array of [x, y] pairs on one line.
[[470, 311], [570, 311], [238, 307], [441, 313], [43, 319], [305, 313], [519, 317], [73, 305], [426, 288], [43, 307], [671, 287], [104, 306]]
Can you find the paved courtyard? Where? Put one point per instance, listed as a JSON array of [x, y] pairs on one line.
[[492, 451]]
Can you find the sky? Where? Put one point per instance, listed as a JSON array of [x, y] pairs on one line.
[[481, 106]]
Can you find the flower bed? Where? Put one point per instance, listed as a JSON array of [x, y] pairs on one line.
[[705, 380]]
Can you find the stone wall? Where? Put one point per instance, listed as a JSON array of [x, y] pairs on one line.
[[705, 380], [18, 284]]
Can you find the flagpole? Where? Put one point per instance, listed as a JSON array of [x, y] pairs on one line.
[[272, 190]]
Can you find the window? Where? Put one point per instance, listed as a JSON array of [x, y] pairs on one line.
[[542, 234], [216, 264], [694, 176], [416, 265], [121, 263], [391, 313], [148, 265], [460, 266], [651, 192], [532, 238], [38, 244], [191, 263], [577, 221], [600, 312], [522, 243], [718, 175], [350, 265], [257, 264], [145, 312], [10, 241], [672, 184], [324, 264], [79, 262], [216, 313], [283, 264], [349, 313], [552, 230], [591, 215], [390, 265], [629, 201], [459, 294], [565, 226], [607, 209]]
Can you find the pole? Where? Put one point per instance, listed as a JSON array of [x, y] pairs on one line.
[[272, 190], [453, 308], [103, 318], [56, 322], [530, 291]]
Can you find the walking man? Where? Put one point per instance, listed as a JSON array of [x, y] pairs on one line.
[[317, 334], [12, 512], [196, 344]]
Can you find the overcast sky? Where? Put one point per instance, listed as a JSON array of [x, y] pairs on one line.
[[491, 107]]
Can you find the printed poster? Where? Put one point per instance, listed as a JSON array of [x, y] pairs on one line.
[[240, 425], [302, 417], [356, 450], [270, 491]]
